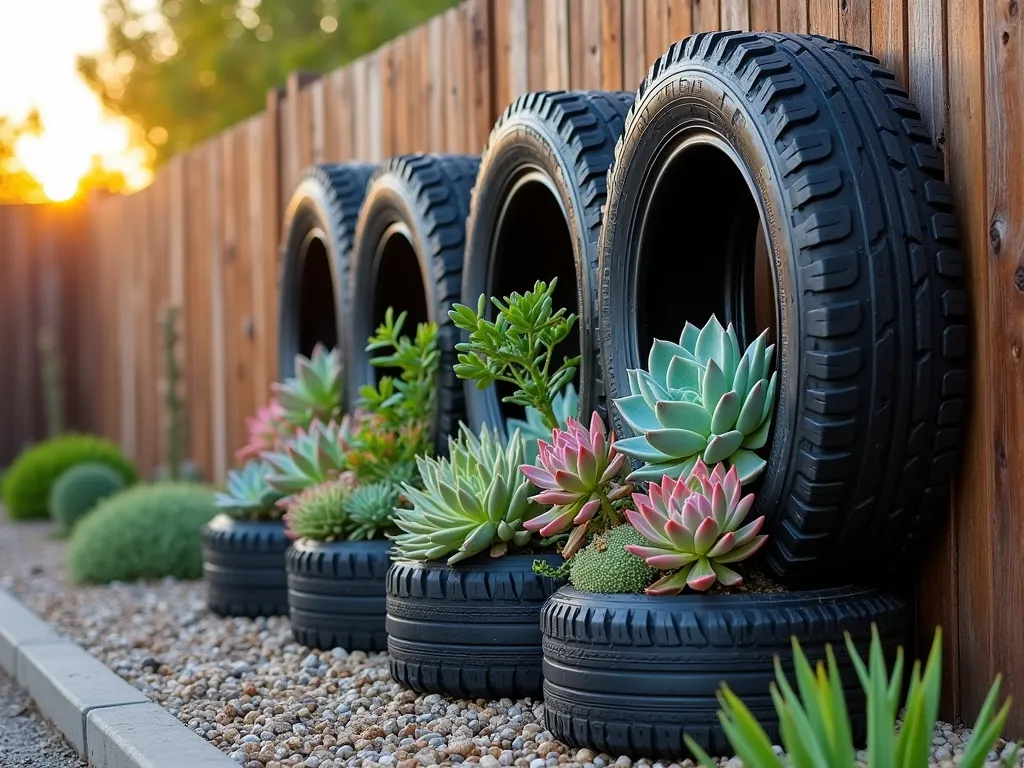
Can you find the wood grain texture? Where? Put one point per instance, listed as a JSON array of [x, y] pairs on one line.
[[656, 29], [764, 15], [707, 15], [680, 19], [634, 52], [823, 17], [855, 23], [536, 44], [590, 30], [1003, 47], [735, 14], [793, 16], [481, 56], [926, 28], [610, 48], [556, 44], [889, 35]]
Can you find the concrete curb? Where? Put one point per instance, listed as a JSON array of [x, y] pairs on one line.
[[108, 721]]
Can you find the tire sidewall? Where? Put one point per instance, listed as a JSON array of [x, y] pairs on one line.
[[520, 146], [685, 99], [308, 211]]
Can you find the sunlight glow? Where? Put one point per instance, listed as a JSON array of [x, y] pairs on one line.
[[41, 39]]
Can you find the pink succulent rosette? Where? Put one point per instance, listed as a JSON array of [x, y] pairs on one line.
[[693, 525]]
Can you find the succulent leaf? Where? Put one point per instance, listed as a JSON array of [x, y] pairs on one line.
[[319, 512], [248, 495], [466, 506], [314, 392], [693, 524], [311, 457], [707, 390]]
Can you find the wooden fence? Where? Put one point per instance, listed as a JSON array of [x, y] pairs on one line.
[[206, 235]]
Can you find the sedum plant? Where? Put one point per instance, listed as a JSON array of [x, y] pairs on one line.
[[312, 457], [815, 724], [473, 501], [370, 510], [566, 405], [606, 565], [80, 489], [577, 473], [692, 527], [319, 511], [248, 495], [517, 347], [314, 392], [700, 399]]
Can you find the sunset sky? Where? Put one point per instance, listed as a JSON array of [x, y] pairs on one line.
[[39, 40]]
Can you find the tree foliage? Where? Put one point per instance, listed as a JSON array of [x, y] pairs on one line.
[[191, 68], [17, 184]]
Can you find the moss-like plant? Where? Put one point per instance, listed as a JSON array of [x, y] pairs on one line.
[[29, 481], [80, 489], [605, 565], [147, 532]]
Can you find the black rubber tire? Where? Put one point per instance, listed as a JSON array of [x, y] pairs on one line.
[[325, 205], [872, 377], [243, 567], [426, 198], [336, 593], [630, 674], [472, 630], [566, 140]]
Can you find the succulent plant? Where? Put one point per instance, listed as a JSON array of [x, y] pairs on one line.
[[565, 405], [248, 494], [576, 473], [693, 528], [267, 431], [605, 565], [311, 457], [314, 392], [370, 510], [700, 399], [319, 512], [473, 501]]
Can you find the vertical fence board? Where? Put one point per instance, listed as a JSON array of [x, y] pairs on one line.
[[374, 116], [481, 60], [454, 81], [823, 17], [536, 44], [1004, 121], [889, 35], [764, 15], [610, 50], [590, 31], [793, 16], [656, 33], [735, 14], [437, 93], [707, 15], [634, 48], [927, 65], [556, 44], [855, 23]]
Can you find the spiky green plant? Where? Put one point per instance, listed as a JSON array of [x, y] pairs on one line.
[[700, 399], [566, 405], [248, 495], [517, 347], [578, 474], [370, 510], [314, 392], [692, 527], [312, 457], [474, 501], [319, 512], [815, 724]]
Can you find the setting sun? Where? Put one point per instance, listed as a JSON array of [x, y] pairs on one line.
[[40, 40]]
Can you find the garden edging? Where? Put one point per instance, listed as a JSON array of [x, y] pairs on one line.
[[105, 719]]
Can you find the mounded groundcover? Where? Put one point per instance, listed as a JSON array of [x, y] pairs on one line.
[[408, 253], [319, 229], [788, 182], [536, 215]]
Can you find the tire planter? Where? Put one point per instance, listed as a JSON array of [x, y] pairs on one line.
[[319, 227], [336, 593], [536, 214], [471, 630], [408, 252], [243, 566], [630, 674], [819, 161]]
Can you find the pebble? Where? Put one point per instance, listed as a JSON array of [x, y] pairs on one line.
[[268, 702]]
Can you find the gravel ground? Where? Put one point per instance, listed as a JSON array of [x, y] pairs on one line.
[[269, 702], [26, 740]]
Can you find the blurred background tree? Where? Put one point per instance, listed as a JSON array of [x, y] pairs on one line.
[[186, 69], [17, 184]]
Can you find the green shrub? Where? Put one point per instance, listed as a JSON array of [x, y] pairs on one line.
[[146, 532], [30, 479], [80, 489]]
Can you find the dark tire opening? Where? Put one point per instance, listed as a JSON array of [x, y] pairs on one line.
[[814, 139], [533, 242], [397, 283], [724, 250], [408, 253], [536, 215], [319, 228], [318, 322]]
